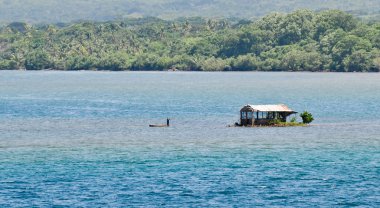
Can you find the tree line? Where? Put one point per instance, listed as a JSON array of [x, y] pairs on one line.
[[300, 41]]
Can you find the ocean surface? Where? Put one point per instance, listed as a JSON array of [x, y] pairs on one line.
[[81, 139]]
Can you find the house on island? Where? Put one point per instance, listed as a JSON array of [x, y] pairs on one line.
[[252, 115]]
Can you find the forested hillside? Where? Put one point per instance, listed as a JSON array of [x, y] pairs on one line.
[[300, 41], [53, 11]]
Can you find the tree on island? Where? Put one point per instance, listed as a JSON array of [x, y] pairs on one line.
[[307, 118]]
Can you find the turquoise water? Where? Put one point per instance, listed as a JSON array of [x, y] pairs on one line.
[[81, 139]]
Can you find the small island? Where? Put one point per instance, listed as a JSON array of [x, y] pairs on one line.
[[271, 115]]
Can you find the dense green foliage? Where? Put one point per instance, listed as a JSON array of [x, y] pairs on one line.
[[307, 117], [52, 11], [300, 41]]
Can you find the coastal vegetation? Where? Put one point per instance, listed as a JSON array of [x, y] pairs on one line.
[[300, 41], [288, 124], [307, 117], [293, 123]]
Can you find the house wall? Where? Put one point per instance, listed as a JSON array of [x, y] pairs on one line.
[[261, 118], [247, 118]]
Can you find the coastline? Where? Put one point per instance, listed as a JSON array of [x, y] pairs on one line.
[[182, 71]]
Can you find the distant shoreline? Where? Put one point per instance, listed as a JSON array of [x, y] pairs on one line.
[[181, 71], [303, 40]]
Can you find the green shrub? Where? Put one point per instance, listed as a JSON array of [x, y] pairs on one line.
[[38, 60], [247, 62], [214, 64], [307, 117], [8, 65], [275, 122]]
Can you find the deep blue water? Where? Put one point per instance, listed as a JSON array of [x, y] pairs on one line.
[[81, 139]]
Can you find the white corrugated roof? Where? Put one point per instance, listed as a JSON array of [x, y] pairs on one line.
[[271, 108]]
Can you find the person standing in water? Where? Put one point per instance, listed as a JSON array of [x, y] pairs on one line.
[[168, 121]]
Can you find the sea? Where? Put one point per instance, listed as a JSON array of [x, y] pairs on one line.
[[82, 139]]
